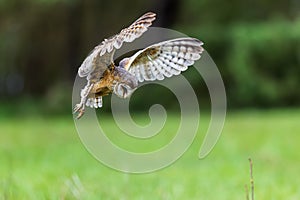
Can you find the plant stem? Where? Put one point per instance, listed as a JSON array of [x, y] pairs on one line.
[[251, 179]]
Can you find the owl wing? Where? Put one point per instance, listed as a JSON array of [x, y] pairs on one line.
[[102, 55], [164, 59]]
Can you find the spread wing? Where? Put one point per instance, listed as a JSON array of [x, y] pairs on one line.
[[164, 59], [102, 55]]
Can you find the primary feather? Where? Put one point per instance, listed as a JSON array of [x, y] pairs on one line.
[[102, 55], [165, 59]]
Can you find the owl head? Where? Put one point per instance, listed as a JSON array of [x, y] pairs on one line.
[[123, 90]]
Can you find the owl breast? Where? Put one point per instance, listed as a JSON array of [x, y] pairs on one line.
[[112, 79], [104, 86]]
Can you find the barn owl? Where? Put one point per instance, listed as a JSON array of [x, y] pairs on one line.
[[164, 59]]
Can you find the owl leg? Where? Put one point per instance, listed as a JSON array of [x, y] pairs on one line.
[[80, 108]]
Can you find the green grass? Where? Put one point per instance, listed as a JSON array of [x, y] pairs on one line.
[[43, 158]]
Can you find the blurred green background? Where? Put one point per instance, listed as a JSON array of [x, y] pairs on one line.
[[255, 44]]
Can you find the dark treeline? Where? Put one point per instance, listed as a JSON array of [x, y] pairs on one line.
[[256, 44]]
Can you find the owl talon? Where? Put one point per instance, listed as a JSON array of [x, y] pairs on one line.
[[76, 108], [81, 112], [79, 108]]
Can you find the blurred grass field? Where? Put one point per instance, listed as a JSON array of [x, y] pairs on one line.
[[43, 158]]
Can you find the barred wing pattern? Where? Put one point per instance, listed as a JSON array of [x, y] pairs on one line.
[[129, 34], [102, 55], [165, 59]]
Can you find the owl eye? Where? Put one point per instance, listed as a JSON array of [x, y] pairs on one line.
[[123, 90]]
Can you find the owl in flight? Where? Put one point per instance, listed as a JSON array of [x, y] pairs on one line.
[[155, 62]]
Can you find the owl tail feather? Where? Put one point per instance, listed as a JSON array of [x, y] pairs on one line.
[[94, 102]]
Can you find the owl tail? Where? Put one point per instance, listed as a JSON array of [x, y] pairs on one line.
[[94, 102]]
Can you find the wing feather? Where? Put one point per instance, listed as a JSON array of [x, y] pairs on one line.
[[165, 59], [95, 65]]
